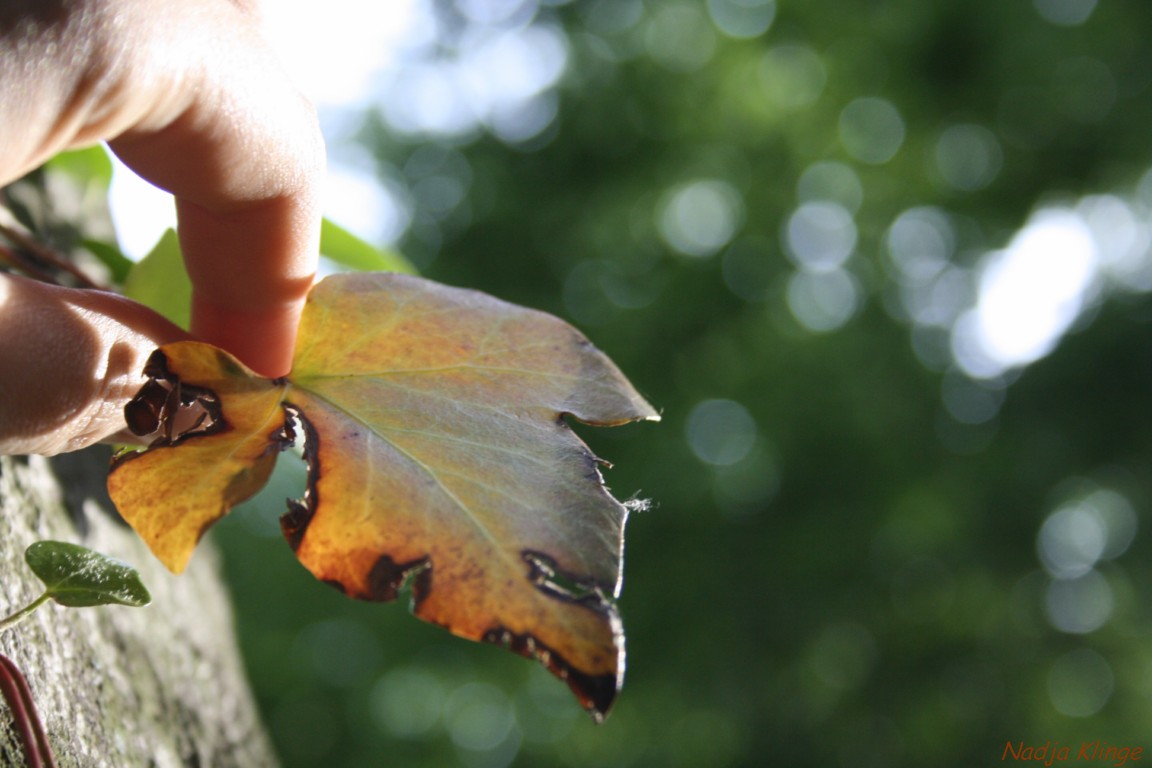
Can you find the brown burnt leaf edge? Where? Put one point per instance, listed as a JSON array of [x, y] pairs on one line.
[[596, 693], [294, 522], [388, 579]]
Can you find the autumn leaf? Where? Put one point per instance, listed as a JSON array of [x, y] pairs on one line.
[[439, 458]]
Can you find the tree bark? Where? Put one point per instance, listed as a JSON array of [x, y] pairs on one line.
[[117, 686]]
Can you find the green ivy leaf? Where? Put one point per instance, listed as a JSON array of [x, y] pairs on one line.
[[119, 265], [91, 165], [77, 577], [348, 250], [160, 282]]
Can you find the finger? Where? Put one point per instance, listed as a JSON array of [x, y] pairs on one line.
[[70, 360], [195, 102], [244, 159]]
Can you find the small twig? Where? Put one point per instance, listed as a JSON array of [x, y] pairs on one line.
[[53, 259], [19, 262], [34, 740], [15, 618]]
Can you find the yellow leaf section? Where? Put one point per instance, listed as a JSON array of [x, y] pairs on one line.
[[173, 492]]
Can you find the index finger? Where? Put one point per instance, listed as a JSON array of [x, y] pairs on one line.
[[242, 153]]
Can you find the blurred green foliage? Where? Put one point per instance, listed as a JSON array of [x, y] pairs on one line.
[[844, 563]]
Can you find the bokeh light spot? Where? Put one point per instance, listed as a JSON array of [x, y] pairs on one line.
[[519, 122], [699, 218], [1119, 519], [832, 182], [430, 99], [679, 37], [480, 718], [1065, 13], [823, 301], [871, 130], [1098, 525], [1029, 295], [920, 242], [793, 76], [720, 432], [1080, 605], [408, 702], [1080, 683], [611, 17], [843, 656], [746, 486], [1071, 542], [968, 156], [493, 11], [341, 652], [939, 303], [820, 236], [505, 74], [742, 18], [1124, 241], [971, 402]]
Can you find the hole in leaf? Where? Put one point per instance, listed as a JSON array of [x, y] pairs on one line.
[[552, 581], [170, 410], [294, 522]]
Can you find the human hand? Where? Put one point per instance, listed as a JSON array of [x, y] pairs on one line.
[[189, 95]]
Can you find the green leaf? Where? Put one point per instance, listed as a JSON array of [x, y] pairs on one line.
[[346, 249], [76, 576], [119, 265], [88, 164], [160, 281]]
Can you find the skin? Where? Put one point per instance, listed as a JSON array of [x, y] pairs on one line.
[[189, 96]]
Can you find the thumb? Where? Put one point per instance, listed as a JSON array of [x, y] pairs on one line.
[[70, 360]]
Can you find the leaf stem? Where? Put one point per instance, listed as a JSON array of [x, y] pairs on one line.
[[25, 612]]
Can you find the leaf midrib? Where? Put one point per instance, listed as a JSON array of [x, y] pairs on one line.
[[513, 564]]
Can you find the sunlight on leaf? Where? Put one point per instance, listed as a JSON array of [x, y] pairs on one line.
[[439, 460], [90, 165], [348, 250], [76, 576]]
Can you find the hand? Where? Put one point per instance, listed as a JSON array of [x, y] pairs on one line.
[[188, 95]]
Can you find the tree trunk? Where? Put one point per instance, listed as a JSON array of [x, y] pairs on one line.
[[157, 686]]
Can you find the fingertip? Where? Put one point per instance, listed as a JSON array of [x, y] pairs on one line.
[[264, 340]]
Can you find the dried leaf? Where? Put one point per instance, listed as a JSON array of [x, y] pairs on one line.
[[439, 457]]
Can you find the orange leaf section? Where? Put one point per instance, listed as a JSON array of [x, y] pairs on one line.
[[439, 458], [173, 492]]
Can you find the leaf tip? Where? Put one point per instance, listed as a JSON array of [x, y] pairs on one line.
[[595, 692]]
